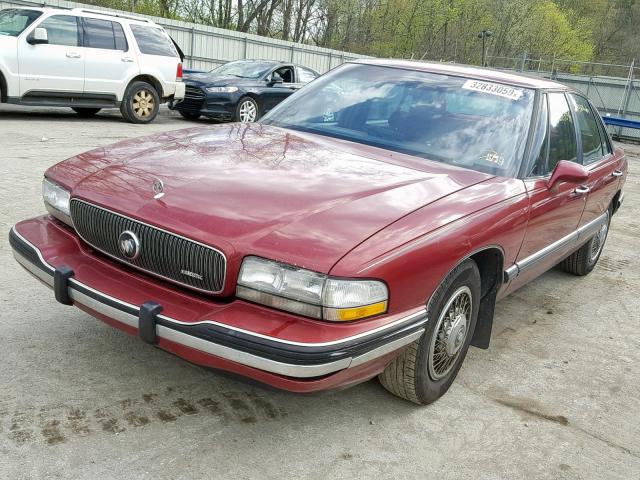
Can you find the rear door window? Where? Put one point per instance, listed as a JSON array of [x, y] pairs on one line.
[[588, 129], [104, 34], [305, 75], [153, 41]]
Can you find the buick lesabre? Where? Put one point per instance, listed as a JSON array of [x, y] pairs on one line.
[[365, 227]]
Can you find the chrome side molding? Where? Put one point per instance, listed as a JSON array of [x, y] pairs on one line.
[[574, 238]]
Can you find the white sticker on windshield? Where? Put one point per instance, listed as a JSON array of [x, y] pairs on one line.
[[493, 89]]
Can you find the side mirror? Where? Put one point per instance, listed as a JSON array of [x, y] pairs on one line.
[[38, 37], [275, 80], [568, 172]]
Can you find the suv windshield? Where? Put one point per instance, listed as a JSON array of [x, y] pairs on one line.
[[14, 21], [243, 69], [460, 121]]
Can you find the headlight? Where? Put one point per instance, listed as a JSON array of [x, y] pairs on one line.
[[308, 293], [221, 89], [56, 199]]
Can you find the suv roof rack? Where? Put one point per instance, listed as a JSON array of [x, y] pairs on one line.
[[112, 14]]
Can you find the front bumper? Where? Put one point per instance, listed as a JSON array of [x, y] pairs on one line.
[[220, 106], [284, 363]]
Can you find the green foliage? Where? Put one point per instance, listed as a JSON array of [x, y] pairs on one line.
[[444, 30]]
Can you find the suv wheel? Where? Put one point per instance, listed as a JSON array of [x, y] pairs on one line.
[[247, 110], [141, 103], [425, 370], [86, 112]]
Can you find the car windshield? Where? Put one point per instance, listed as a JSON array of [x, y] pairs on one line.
[[243, 69], [460, 121], [14, 21]]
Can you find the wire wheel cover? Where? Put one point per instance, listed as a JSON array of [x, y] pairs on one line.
[[450, 333]]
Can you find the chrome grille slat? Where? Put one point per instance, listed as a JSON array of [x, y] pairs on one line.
[[162, 253]]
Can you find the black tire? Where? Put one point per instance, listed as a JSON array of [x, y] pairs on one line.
[[411, 375], [248, 101], [583, 261], [86, 112], [141, 103], [189, 115]]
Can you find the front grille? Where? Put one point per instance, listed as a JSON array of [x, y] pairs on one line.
[[161, 253], [193, 92]]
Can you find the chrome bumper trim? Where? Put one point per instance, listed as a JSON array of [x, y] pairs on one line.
[[255, 361]]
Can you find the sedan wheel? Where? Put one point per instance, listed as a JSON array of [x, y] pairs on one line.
[[247, 110], [425, 370], [584, 260]]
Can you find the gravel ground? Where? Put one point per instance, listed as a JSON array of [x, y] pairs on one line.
[[557, 396]]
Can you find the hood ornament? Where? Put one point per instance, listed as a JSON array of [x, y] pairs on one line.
[[158, 188]]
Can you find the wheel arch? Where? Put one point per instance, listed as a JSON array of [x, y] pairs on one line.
[[150, 79], [615, 202], [490, 262], [4, 94]]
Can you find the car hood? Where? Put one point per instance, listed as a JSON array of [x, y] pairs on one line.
[[261, 190]]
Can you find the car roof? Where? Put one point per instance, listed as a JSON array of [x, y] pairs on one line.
[[88, 12], [467, 71]]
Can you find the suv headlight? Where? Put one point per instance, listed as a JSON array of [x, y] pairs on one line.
[[221, 89], [56, 200], [308, 293]]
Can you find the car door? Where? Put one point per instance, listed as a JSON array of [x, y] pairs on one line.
[[57, 66], [554, 213], [274, 93], [597, 155], [109, 61]]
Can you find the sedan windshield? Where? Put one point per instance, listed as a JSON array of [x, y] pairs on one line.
[[243, 69], [14, 21], [460, 121]]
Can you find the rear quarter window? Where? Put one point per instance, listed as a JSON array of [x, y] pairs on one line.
[[153, 41]]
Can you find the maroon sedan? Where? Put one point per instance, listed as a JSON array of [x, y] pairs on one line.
[[366, 226]]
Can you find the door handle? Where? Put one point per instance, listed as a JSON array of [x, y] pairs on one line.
[[582, 189], [126, 59], [73, 54], [616, 173]]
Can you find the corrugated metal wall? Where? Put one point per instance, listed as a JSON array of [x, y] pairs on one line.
[[206, 47]]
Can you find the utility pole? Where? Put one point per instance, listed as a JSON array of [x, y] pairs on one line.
[[484, 34]]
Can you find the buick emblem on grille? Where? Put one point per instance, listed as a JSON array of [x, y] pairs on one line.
[[158, 188], [129, 244]]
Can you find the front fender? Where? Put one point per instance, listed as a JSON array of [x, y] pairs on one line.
[[414, 254]]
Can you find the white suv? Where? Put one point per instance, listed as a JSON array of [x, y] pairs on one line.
[[87, 60]]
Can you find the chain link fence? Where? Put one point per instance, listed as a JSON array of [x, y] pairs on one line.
[[613, 88]]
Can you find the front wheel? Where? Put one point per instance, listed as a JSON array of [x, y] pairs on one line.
[[583, 261], [141, 103], [86, 112], [425, 370], [247, 110]]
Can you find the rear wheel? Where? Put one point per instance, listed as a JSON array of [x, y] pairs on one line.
[[86, 112], [425, 370], [190, 116], [247, 110], [584, 260], [141, 103]]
